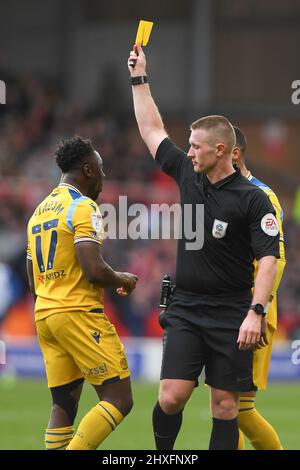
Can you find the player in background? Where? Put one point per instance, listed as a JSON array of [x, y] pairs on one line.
[[67, 275], [260, 433]]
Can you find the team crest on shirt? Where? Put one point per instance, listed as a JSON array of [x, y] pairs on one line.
[[269, 225], [97, 223], [219, 228]]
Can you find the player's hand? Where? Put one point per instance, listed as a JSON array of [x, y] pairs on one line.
[[250, 332], [122, 292], [140, 67], [264, 337], [128, 283]]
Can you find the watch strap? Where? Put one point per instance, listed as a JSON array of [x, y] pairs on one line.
[[139, 80]]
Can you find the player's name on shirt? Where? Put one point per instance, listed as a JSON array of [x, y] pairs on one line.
[[54, 206]]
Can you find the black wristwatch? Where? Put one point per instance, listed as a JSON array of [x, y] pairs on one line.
[[258, 309], [140, 80]]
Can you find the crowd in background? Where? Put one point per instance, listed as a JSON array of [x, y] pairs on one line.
[[35, 118]]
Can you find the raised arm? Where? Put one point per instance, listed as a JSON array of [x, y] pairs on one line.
[[148, 118]]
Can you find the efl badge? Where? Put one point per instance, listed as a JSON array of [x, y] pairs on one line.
[[97, 223], [219, 228], [269, 225]]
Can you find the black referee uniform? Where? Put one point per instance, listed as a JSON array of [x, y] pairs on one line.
[[213, 284]]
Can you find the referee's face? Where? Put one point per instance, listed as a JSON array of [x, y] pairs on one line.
[[202, 151]]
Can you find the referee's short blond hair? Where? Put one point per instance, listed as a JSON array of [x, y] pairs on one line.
[[219, 129]]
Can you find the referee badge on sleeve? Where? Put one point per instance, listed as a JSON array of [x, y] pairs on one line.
[[219, 228], [269, 225]]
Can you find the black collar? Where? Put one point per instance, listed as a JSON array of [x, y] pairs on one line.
[[224, 181]]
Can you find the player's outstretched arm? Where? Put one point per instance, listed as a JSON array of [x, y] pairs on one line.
[[97, 271], [148, 118]]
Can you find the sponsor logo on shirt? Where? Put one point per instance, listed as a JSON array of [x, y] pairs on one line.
[[52, 276], [269, 225]]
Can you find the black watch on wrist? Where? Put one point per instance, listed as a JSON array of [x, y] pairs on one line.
[[140, 80], [258, 309]]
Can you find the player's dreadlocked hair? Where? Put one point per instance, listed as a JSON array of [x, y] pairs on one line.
[[72, 152]]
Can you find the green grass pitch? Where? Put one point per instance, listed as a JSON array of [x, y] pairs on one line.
[[25, 404]]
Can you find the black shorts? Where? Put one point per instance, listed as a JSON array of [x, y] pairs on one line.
[[201, 331]]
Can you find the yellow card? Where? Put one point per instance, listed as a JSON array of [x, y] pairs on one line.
[[143, 32]]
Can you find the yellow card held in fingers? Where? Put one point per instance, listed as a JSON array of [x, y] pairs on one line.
[[143, 32]]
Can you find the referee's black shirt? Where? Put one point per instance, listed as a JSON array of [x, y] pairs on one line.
[[237, 227]]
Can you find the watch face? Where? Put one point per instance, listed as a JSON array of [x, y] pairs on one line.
[[259, 309]]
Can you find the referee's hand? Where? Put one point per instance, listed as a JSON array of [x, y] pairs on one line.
[[250, 332], [138, 55]]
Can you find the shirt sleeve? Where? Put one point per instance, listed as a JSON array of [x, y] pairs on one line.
[[87, 223], [173, 161], [263, 225]]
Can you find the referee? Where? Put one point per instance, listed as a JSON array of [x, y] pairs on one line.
[[213, 320]]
